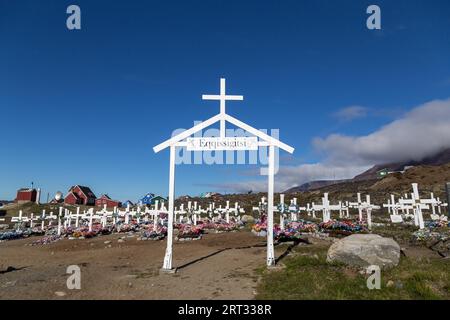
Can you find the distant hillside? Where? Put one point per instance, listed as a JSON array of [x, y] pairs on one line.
[[312, 185], [438, 159], [441, 158], [429, 178]]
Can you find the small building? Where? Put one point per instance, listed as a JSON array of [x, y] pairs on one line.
[[80, 195], [105, 199], [159, 199], [382, 173], [150, 198], [26, 195], [210, 195], [127, 203], [147, 199]]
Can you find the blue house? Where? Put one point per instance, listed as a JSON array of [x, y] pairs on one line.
[[126, 203], [150, 198]]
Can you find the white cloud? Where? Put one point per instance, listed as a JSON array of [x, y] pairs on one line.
[[351, 113], [291, 176], [419, 133]]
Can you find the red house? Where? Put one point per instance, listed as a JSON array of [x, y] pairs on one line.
[[26, 195], [105, 199], [80, 195]]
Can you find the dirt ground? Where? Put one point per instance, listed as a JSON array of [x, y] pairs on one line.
[[131, 269]]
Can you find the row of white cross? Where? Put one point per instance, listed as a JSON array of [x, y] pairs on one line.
[[194, 212], [326, 208], [67, 218], [416, 205], [406, 205]]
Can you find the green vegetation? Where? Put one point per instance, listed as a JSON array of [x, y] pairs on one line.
[[307, 275]]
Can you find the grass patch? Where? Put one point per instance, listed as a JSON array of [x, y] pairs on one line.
[[308, 276]]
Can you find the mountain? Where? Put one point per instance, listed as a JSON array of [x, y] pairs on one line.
[[312, 185], [438, 159], [442, 157]]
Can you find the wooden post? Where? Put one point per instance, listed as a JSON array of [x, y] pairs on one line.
[[271, 173], [168, 257]]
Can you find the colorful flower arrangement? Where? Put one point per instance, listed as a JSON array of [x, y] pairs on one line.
[[46, 240], [11, 235], [437, 224], [259, 226], [426, 235], [84, 233], [126, 227], [208, 225], [188, 231], [226, 227], [294, 230], [260, 229], [344, 227], [158, 233]]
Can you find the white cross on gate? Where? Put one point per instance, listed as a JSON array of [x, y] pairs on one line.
[[223, 98]]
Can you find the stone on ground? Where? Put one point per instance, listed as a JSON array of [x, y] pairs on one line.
[[247, 219], [363, 250]]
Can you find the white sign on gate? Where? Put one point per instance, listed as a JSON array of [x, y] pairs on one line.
[[222, 143]]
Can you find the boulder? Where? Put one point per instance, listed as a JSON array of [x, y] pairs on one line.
[[363, 250], [247, 219]]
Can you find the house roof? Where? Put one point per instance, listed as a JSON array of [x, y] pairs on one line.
[[26, 190], [73, 194], [86, 191], [105, 196]]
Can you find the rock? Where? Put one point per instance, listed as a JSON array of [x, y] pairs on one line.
[[60, 293], [9, 284], [247, 219], [442, 247], [390, 283], [120, 240], [107, 242], [363, 250]]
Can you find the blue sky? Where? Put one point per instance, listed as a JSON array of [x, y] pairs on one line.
[[87, 106]]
